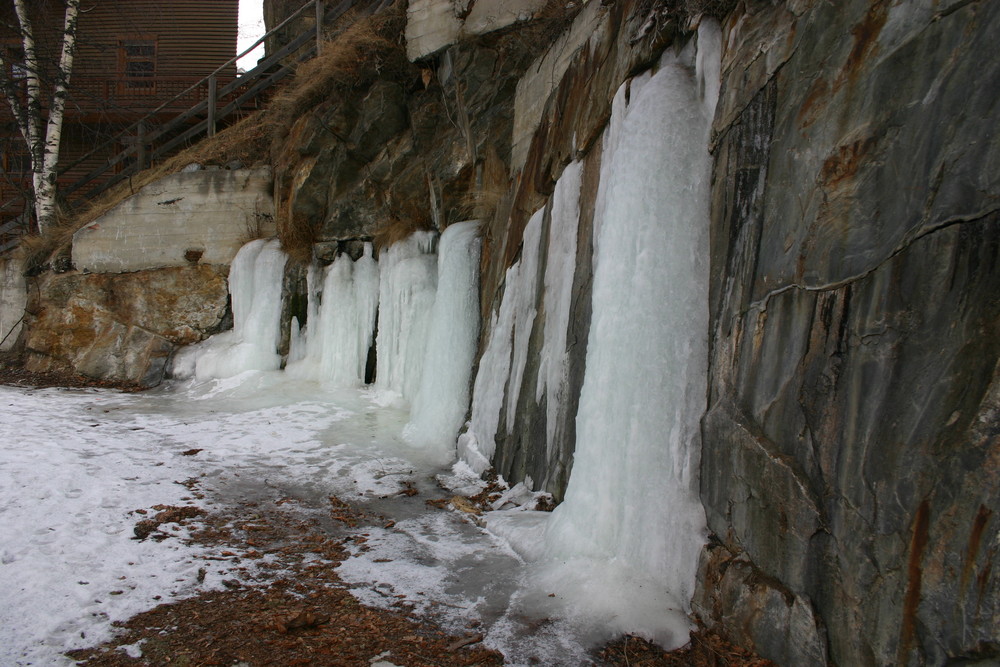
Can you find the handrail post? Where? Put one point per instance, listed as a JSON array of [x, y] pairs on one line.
[[141, 145], [319, 26], [213, 85]]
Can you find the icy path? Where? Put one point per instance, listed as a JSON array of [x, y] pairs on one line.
[[75, 463]]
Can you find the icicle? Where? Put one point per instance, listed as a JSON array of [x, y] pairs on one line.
[[342, 325], [408, 273], [440, 405], [560, 267], [516, 314], [623, 547], [255, 279]]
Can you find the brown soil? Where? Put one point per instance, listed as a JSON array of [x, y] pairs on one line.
[[292, 608]]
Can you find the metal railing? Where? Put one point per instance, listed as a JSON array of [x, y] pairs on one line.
[[206, 103]]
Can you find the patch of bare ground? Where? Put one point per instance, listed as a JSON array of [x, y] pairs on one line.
[[13, 372], [284, 603], [706, 649]]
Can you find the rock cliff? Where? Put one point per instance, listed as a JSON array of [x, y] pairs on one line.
[[850, 459]]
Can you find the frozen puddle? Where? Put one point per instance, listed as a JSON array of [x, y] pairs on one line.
[[76, 463]]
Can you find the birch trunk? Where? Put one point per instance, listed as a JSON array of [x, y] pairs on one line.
[[45, 189], [43, 146]]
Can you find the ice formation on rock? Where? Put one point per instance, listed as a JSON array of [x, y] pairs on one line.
[[255, 287], [625, 542], [441, 402], [513, 320], [341, 322], [408, 272]]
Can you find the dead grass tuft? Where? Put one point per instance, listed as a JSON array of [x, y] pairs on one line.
[[404, 219], [297, 237], [369, 47], [39, 251], [491, 186]]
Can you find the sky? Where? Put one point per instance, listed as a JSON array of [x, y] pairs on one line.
[[250, 29]]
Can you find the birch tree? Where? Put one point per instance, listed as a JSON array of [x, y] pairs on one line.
[[41, 133]]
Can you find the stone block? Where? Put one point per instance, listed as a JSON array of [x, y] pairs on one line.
[[13, 297]]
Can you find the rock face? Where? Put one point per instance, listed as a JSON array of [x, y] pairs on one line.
[[433, 25], [122, 326], [850, 455]]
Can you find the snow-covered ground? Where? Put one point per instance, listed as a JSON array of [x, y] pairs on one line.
[[75, 464]]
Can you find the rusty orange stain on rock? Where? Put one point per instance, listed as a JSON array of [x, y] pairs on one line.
[[815, 98], [865, 35], [918, 544], [844, 161], [975, 538]]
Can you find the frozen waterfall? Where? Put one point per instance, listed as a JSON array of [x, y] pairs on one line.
[[341, 321], [442, 399], [620, 553], [625, 542], [255, 289]]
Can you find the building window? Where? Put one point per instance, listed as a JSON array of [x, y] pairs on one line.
[[14, 55], [137, 65]]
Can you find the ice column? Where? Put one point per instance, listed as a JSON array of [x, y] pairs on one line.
[[408, 271], [441, 402], [624, 545], [513, 321], [255, 279], [560, 267], [341, 322]]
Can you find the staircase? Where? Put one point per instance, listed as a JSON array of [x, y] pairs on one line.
[[200, 120]]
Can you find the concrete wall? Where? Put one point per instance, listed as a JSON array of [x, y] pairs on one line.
[[432, 25], [13, 295], [187, 218]]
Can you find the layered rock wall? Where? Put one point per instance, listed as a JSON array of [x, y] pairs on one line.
[[849, 469], [122, 327]]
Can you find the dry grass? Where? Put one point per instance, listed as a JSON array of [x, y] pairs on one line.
[[405, 218], [490, 187], [38, 251], [245, 141], [369, 47]]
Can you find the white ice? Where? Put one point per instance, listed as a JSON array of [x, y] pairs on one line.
[[408, 273], [512, 322], [442, 399], [341, 322], [255, 280], [621, 551]]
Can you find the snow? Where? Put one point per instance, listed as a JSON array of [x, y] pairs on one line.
[[81, 461], [70, 472]]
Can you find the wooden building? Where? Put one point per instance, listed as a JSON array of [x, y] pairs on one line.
[[134, 57]]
